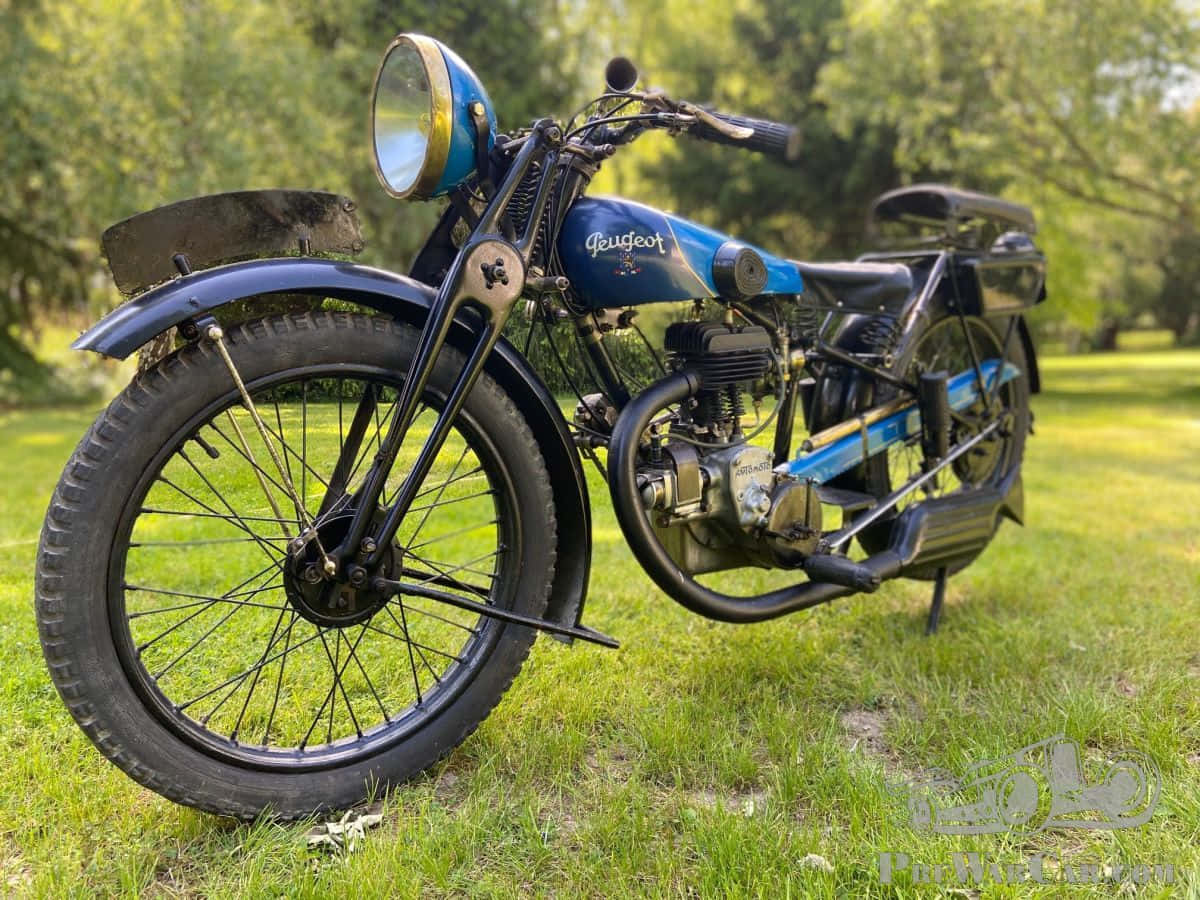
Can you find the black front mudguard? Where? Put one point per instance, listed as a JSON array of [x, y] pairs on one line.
[[135, 323]]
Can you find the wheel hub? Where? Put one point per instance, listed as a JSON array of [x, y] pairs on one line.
[[334, 602], [981, 461]]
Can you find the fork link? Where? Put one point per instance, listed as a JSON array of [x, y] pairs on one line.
[[307, 531], [489, 272]]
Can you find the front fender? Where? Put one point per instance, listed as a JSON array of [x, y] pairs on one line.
[[135, 323]]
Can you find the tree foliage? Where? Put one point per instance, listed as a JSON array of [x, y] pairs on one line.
[[1086, 109], [760, 58], [118, 107]]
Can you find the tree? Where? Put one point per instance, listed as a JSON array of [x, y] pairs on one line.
[[761, 59], [1178, 303], [1082, 107], [117, 108]]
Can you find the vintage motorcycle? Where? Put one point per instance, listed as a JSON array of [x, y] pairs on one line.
[[307, 549]]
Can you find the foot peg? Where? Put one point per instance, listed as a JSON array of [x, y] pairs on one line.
[[841, 570]]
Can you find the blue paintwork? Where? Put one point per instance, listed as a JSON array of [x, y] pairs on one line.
[[676, 267], [466, 88], [843, 455]]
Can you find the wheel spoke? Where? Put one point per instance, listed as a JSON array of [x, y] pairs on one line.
[[196, 643], [278, 682], [230, 596], [463, 567], [467, 628], [212, 602], [235, 520], [402, 623], [288, 449], [452, 501], [267, 548], [476, 471], [453, 534], [366, 677], [203, 542], [259, 472], [304, 440], [145, 510], [441, 490], [287, 678], [234, 689], [156, 612], [287, 463], [408, 643], [288, 648]]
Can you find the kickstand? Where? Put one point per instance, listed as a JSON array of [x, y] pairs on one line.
[[935, 608]]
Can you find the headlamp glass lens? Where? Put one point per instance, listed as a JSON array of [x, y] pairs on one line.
[[403, 117]]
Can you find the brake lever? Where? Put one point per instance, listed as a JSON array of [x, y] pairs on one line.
[[658, 100], [736, 132]]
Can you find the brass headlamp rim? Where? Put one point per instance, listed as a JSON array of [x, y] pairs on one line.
[[441, 111]]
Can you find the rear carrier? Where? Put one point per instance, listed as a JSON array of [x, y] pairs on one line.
[[999, 268]]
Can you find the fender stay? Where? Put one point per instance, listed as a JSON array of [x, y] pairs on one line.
[[133, 324]]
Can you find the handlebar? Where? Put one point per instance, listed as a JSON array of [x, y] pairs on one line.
[[659, 111], [772, 138]]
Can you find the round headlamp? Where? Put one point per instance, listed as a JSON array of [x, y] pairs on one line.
[[422, 131]]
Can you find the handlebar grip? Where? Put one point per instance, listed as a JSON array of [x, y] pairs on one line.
[[772, 138]]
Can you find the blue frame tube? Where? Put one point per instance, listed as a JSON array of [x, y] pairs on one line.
[[846, 453]]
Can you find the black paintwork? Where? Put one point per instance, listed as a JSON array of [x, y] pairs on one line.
[[133, 324], [942, 203]]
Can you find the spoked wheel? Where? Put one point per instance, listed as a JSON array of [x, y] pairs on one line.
[[946, 346], [197, 642]]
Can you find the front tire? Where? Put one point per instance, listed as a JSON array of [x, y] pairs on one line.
[[182, 643]]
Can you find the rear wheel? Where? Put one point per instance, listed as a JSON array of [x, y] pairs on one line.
[[946, 345], [202, 656]]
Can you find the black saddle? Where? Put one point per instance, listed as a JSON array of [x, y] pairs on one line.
[[862, 286]]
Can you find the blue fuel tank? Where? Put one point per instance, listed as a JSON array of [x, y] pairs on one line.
[[620, 253]]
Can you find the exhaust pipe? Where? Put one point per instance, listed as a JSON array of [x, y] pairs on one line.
[[677, 584], [927, 536]]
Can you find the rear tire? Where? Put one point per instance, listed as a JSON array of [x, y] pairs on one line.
[[937, 346], [125, 686]]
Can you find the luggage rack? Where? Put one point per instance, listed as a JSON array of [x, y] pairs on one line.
[[986, 241], [937, 215]]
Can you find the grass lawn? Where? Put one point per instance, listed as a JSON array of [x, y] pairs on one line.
[[708, 759]]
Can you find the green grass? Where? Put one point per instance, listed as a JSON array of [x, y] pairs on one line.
[[707, 759]]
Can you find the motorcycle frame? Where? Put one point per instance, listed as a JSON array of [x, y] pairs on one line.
[[468, 285]]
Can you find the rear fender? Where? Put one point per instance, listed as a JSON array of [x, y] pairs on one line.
[[145, 317]]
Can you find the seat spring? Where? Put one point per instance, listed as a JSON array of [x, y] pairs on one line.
[[805, 321], [881, 335]]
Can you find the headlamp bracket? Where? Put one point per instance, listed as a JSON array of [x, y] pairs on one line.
[[483, 130]]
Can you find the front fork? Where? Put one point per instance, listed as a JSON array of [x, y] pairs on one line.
[[488, 274]]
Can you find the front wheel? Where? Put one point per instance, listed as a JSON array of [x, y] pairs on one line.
[[200, 656]]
